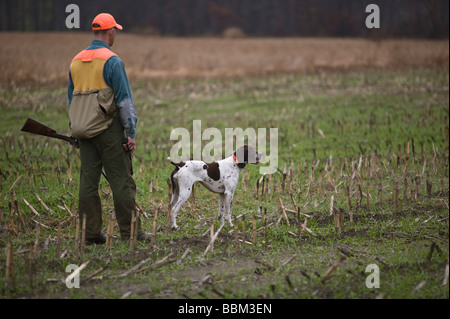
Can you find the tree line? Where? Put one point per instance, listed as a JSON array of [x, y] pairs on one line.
[[280, 18]]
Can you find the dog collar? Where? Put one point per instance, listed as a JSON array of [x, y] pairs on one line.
[[235, 159], [240, 165]]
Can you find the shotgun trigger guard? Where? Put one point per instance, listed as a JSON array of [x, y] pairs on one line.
[[75, 142]]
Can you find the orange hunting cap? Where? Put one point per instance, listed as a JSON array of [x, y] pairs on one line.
[[105, 21]]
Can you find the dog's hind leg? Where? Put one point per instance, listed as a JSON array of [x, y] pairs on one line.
[[184, 191], [175, 187], [175, 193]]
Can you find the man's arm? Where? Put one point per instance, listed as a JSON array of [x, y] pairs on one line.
[[116, 77], [70, 88]]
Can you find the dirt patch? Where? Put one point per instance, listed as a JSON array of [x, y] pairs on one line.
[[192, 242], [355, 233]]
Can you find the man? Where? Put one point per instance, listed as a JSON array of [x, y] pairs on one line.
[[103, 119]]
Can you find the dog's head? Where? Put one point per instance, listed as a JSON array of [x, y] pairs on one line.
[[247, 155]]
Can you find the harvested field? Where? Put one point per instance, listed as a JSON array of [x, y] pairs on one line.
[[40, 58], [362, 180]]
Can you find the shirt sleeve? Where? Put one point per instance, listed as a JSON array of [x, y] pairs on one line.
[[70, 88], [116, 77]]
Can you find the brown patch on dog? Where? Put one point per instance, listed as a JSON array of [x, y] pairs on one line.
[[213, 171]]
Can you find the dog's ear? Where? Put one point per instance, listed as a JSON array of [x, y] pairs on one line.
[[241, 154], [246, 154]]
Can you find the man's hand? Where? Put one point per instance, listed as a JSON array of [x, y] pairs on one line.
[[130, 144]]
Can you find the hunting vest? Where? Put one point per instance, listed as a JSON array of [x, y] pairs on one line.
[[92, 108]]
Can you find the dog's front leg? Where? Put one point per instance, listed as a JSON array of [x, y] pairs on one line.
[[228, 204], [222, 207]]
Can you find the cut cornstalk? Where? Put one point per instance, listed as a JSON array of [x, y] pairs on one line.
[[136, 267], [42, 203], [290, 259], [10, 277], [83, 234], [109, 233], [332, 268], [30, 207], [17, 209], [155, 219], [213, 239], [76, 272], [236, 235], [186, 252], [58, 240], [254, 229], [284, 211]]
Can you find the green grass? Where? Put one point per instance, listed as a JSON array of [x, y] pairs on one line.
[[376, 116]]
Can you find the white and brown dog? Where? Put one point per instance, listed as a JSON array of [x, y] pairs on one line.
[[219, 177]]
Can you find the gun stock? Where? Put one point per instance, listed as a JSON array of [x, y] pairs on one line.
[[35, 127]]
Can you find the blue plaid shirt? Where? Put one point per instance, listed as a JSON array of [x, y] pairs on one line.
[[115, 77]]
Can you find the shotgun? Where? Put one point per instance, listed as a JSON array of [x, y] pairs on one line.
[[34, 127]]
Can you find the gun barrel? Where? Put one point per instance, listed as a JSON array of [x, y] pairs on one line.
[[35, 127]]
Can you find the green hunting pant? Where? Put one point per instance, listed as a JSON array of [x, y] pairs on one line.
[[106, 150]]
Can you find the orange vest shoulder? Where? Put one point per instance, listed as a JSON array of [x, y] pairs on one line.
[[89, 55]]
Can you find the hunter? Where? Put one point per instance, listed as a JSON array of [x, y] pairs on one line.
[[103, 119]]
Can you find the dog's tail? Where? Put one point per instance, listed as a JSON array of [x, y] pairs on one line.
[[178, 165]]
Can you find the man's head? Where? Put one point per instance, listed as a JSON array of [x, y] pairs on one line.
[[104, 27]]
